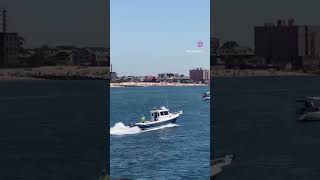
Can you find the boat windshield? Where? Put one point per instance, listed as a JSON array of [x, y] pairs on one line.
[[308, 105], [206, 94], [164, 113], [312, 103]]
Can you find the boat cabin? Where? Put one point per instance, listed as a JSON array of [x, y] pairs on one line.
[[157, 114], [207, 94], [310, 104]]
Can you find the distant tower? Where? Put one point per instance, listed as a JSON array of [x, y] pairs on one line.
[[3, 20]]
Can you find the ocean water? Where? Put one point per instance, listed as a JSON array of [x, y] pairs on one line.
[[173, 151], [53, 130], [254, 118]]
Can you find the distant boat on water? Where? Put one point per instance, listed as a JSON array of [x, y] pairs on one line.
[[206, 96], [308, 109]]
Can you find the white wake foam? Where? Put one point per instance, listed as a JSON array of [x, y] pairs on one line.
[[217, 164], [121, 129]]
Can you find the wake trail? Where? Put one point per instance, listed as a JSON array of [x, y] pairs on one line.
[[121, 129]]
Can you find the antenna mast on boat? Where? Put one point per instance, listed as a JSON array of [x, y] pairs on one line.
[[167, 100], [166, 95]]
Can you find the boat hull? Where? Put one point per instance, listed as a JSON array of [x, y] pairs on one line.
[[160, 123], [206, 98], [311, 116]]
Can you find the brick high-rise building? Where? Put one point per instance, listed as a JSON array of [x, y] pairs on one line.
[[283, 43], [3, 20], [9, 42], [9, 49], [199, 75]]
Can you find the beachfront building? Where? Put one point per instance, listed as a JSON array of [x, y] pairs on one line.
[[168, 77], [184, 79], [89, 56], [132, 79], [9, 42], [140, 78], [286, 43], [81, 57], [199, 75], [64, 55], [150, 79], [113, 76], [232, 55], [9, 49], [100, 54]]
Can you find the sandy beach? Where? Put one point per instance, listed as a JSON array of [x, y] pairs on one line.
[[149, 84], [101, 72]]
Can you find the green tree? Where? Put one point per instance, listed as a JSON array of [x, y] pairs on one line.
[[39, 57]]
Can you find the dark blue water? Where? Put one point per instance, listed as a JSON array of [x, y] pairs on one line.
[[175, 153], [254, 118], [53, 129]]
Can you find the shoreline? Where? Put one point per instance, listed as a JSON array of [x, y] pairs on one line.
[[153, 84], [102, 73], [235, 73]]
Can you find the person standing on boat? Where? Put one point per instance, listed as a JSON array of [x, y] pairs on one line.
[[142, 118]]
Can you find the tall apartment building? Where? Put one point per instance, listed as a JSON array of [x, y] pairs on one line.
[[199, 75], [9, 48], [9, 42], [3, 20], [284, 43]]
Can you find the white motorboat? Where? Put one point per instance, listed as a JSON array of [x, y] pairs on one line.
[[309, 109], [159, 116]]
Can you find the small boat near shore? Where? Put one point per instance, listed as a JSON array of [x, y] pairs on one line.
[[206, 96], [308, 109], [159, 116]]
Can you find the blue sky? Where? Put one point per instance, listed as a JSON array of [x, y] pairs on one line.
[[152, 36]]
